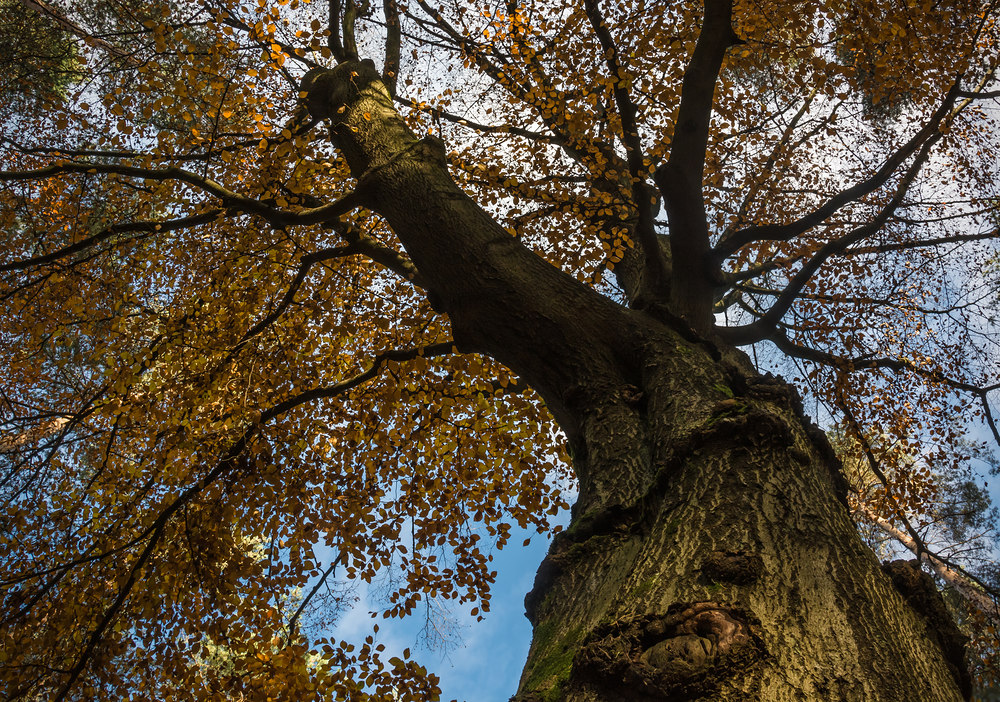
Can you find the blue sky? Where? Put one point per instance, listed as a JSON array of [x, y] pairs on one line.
[[486, 663]]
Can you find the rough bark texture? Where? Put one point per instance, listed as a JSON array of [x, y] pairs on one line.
[[710, 554]]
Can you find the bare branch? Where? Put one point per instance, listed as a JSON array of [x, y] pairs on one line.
[[154, 532], [330, 212], [784, 232], [786, 136], [47, 10], [963, 582], [487, 128], [922, 243], [312, 593], [749, 333], [869, 362], [148, 226]]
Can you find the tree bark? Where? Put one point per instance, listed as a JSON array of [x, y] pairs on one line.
[[710, 554]]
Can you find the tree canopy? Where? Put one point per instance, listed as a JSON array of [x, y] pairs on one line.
[[231, 389]]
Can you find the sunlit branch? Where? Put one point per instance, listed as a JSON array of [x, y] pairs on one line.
[[275, 216], [911, 539], [148, 227], [969, 586], [9, 442]]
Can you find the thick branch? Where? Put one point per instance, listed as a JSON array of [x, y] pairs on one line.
[[333, 31], [393, 45], [680, 178], [491, 286], [348, 25]]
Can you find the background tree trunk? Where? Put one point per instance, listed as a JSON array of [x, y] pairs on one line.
[[710, 554]]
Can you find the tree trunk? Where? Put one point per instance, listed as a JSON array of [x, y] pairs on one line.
[[710, 554], [737, 576]]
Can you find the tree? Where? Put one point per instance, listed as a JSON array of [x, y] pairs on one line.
[[276, 311]]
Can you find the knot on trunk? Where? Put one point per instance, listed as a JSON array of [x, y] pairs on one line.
[[919, 591], [734, 567], [683, 655]]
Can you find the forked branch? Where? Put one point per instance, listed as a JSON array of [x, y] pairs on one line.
[[785, 232]]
